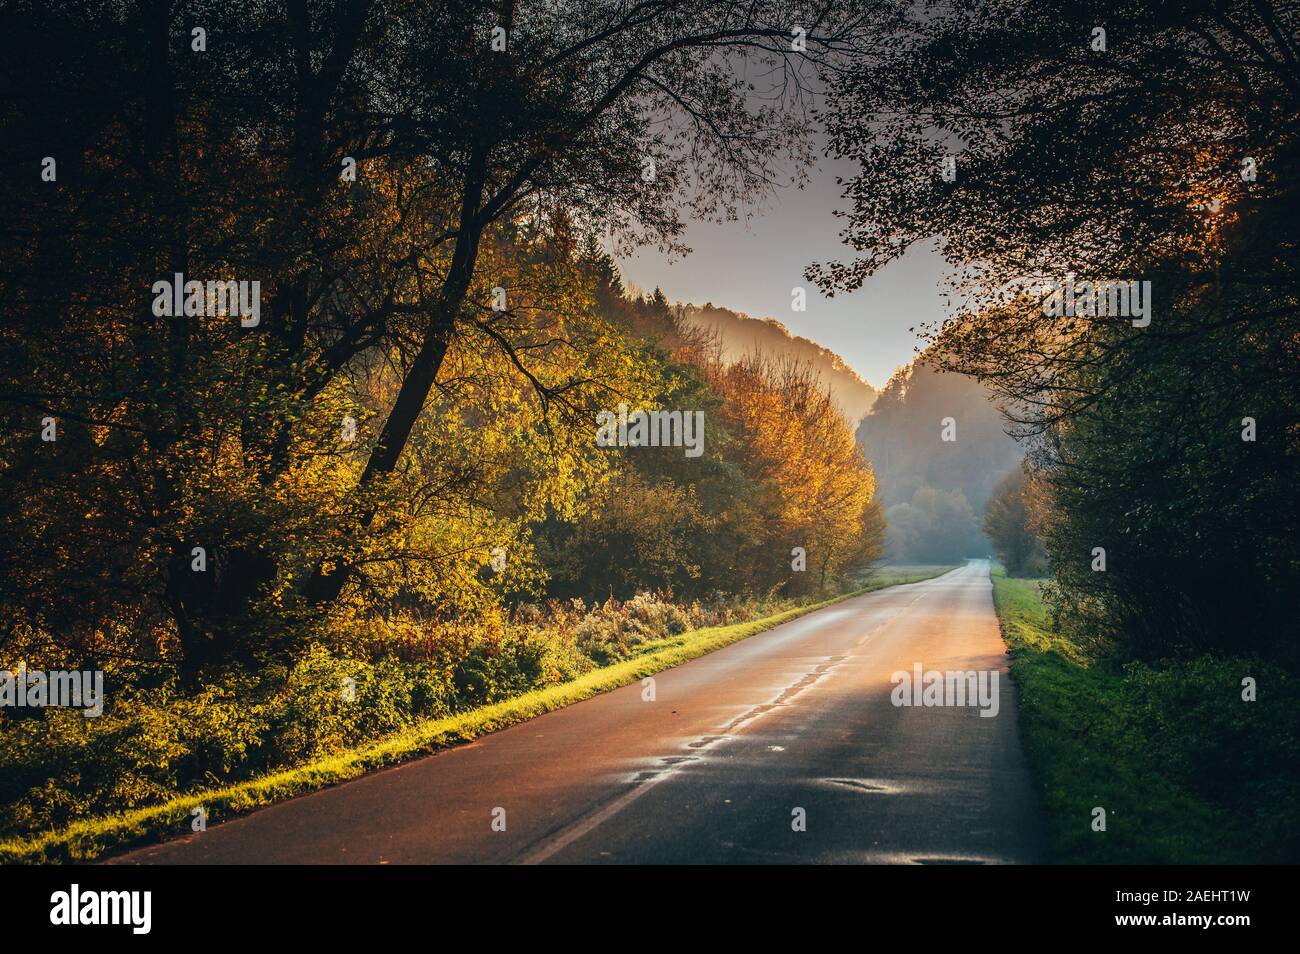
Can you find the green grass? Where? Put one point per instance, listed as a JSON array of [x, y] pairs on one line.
[[93, 838], [1100, 735]]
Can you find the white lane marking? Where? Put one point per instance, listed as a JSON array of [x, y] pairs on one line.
[[590, 823], [561, 840]]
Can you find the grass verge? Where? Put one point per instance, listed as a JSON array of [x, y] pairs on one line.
[[94, 838], [1187, 772]]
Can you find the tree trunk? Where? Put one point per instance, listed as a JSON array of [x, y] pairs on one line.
[[324, 586]]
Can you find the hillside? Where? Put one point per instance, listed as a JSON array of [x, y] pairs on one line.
[[739, 334]]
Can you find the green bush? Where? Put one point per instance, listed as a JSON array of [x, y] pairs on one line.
[[1188, 771], [153, 742], [60, 765], [1244, 757]]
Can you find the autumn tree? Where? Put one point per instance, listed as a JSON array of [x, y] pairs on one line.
[[815, 491], [374, 165]]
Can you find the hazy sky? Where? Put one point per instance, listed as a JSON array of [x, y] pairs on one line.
[[752, 268]]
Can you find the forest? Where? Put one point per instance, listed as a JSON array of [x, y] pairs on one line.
[[312, 313], [1084, 148], [383, 471], [1168, 442], [935, 490]]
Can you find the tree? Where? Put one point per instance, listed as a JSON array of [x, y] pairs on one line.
[[233, 161], [779, 470], [586, 94], [814, 488], [1149, 142], [1007, 525]]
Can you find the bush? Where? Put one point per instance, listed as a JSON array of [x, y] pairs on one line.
[[1241, 756], [153, 742]]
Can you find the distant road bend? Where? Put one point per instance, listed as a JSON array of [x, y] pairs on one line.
[[711, 771]]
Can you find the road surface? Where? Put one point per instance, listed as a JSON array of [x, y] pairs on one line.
[[715, 769]]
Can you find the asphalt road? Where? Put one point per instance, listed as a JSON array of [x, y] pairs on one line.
[[714, 769]]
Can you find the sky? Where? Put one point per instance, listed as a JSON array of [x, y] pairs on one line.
[[752, 267]]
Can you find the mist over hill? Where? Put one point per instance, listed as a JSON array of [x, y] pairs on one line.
[[740, 334], [935, 490]]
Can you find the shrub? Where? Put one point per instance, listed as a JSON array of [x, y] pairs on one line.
[[153, 742]]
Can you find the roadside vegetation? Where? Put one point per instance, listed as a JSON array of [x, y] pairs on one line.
[[387, 478], [136, 774], [1127, 292], [1187, 771]]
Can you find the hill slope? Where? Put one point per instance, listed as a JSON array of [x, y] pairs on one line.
[[739, 334]]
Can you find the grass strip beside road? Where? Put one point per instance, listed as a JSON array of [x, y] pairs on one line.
[[1144, 742]]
